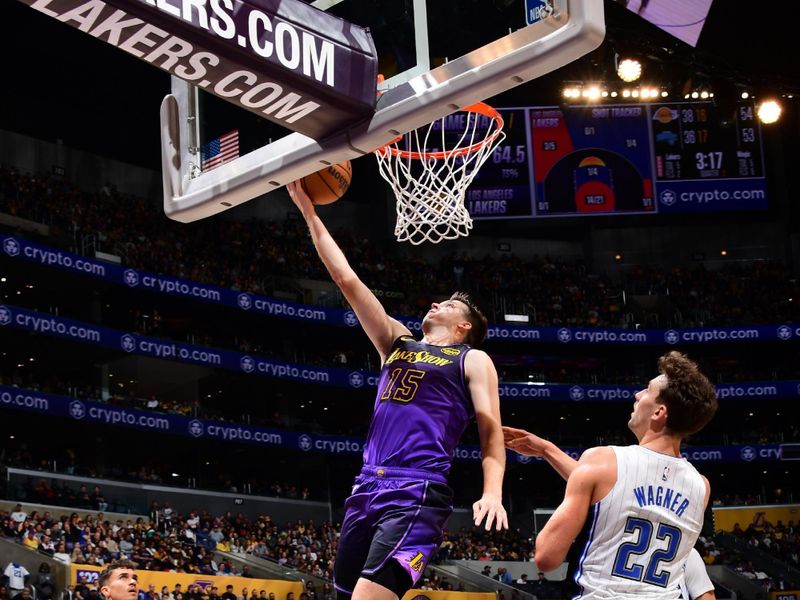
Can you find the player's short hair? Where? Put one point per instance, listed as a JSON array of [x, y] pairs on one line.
[[113, 566], [689, 396], [480, 325]]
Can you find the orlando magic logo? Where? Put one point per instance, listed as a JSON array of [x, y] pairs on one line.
[[11, 247], [576, 393], [127, 342], [564, 335], [668, 198], [247, 364], [784, 332], [77, 410], [196, 428], [350, 318], [305, 443], [748, 453], [356, 379], [672, 337], [131, 278], [244, 301], [5, 316]]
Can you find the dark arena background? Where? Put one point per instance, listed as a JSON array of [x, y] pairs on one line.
[[195, 396]]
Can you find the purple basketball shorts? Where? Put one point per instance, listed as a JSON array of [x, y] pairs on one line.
[[395, 514]]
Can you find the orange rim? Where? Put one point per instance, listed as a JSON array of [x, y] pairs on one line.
[[480, 108]]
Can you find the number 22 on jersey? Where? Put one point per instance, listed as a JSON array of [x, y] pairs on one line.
[[402, 385], [648, 573]]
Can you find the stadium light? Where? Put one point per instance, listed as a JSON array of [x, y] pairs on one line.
[[629, 69], [769, 112]]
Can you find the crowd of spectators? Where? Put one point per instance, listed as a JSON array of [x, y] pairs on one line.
[[172, 542], [479, 544], [260, 256]]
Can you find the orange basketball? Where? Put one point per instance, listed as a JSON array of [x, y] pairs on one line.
[[328, 185]]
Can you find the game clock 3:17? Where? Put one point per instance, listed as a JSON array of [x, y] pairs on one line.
[[697, 141]]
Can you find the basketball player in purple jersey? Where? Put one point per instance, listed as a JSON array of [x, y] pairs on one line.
[[428, 392]]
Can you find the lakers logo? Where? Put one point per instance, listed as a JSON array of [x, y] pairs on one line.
[[417, 563], [451, 351]]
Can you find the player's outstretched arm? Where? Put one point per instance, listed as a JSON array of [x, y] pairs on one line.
[[483, 387], [528, 444], [595, 470], [381, 329]]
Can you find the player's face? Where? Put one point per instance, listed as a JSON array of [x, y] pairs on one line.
[[645, 405], [450, 312], [122, 585]]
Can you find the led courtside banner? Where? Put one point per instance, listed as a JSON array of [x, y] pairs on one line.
[[136, 279], [109, 414]]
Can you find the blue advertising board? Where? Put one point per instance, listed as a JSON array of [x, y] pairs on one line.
[[20, 249], [101, 413]]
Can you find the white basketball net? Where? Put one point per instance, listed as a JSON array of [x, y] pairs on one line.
[[430, 176]]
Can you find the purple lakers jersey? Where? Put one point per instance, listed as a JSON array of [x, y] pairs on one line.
[[422, 407]]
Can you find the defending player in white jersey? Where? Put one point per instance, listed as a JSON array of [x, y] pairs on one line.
[[642, 506], [696, 583]]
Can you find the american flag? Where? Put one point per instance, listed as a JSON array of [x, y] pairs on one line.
[[220, 150]]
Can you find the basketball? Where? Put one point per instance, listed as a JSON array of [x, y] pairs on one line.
[[328, 185]]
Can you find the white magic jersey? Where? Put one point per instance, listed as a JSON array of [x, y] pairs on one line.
[[640, 534]]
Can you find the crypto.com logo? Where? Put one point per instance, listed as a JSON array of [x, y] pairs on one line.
[[668, 198], [77, 410], [11, 247], [244, 301], [131, 278], [350, 318], [196, 428], [127, 342], [247, 364]]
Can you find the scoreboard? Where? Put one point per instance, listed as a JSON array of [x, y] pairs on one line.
[[623, 159]]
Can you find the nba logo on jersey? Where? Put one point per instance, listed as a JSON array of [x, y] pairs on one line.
[[665, 474]]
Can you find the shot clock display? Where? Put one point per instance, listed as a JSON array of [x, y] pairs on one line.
[[622, 159]]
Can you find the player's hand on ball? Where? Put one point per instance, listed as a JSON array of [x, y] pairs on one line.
[[490, 508], [523, 442], [299, 196]]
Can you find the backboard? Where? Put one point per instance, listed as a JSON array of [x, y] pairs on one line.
[[435, 56]]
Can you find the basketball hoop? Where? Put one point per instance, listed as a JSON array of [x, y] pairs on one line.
[[431, 182]]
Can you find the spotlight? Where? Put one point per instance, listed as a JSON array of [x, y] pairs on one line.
[[614, 94], [626, 93], [635, 93], [695, 95], [593, 93], [629, 69], [769, 111], [745, 95], [664, 93], [704, 94], [604, 93]]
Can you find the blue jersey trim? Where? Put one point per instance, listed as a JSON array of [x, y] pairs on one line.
[[584, 554]]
